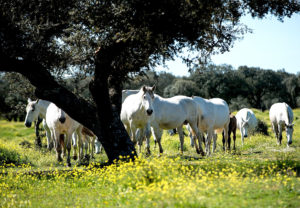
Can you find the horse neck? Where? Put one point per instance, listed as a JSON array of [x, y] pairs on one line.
[[43, 105], [287, 117]]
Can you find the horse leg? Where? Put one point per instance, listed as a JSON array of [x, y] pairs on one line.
[[226, 128], [215, 136], [196, 134], [68, 145], [133, 133], [242, 136], [62, 144], [48, 135], [140, 138], [210, 134], [75, 146], [234, 138], [157, 132], [148, 135], [229, 138], [181, 138], [279, 134], [223, 140], [57, 146], [79, 141]]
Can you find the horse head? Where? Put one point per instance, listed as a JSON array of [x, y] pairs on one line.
[[289, 133], [32, 112], [245, 126], [147, 99]]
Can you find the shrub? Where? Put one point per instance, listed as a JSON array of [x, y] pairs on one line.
[[261, 127], [10, 157]]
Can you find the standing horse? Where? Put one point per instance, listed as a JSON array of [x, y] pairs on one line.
[[57, 128], [281, 116], [213, 117], [171, 113], [38, 108], [231, 129], [137, 111], [57, 122]]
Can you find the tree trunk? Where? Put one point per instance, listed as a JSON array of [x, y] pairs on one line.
[[103, 119], [107, 94]]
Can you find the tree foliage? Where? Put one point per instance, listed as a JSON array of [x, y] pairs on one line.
[[109, 39]]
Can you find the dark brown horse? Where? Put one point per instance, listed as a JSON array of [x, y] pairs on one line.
[[232, 128]]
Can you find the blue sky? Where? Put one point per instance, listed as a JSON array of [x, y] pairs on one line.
[[272, 45]]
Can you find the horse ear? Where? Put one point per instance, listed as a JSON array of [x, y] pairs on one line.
[[153, 88], [144, 88], [29, 100]]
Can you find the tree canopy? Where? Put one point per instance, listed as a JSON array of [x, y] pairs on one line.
[[109, 40]]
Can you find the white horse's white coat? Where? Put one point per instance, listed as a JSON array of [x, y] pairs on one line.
[[281, 117], [213, 117], [137, 111], [246, 122], [126, 93], [57, 128], [35, 109], [171, 113], [56, 121]]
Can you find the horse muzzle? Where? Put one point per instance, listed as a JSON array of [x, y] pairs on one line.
[[28, 124], [149, 112]]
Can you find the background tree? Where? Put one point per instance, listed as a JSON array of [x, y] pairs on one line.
[[43, 39]]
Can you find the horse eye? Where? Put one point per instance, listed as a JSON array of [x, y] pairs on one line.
[[144, 96]]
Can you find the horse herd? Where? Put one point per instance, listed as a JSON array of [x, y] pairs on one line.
[[144, 112]]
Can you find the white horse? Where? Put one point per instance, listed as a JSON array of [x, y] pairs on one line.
[[58, 123], [137, 111], [57, 128], [213, 119], [281, 117], [39, 108], [171, 113], [246, 122]]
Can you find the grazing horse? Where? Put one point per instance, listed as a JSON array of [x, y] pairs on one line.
[[231, 129], [213, 117], [281, 117], [137, 111], [246, 122], [171, 113]]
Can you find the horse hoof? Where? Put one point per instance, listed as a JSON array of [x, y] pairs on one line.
[[75, 157], [68, 164]]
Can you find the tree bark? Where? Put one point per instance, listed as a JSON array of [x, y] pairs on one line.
[[106, 89]]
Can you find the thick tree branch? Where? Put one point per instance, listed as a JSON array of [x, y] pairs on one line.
[[48, 89]]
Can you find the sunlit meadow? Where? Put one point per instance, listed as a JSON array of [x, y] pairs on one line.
[[259, 174]]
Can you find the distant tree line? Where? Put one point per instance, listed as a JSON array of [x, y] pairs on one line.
[[245, 87]]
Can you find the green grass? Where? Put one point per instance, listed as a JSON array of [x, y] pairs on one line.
[[259, 174]]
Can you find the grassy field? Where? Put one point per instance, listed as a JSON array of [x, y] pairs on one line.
[[259, 174]]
